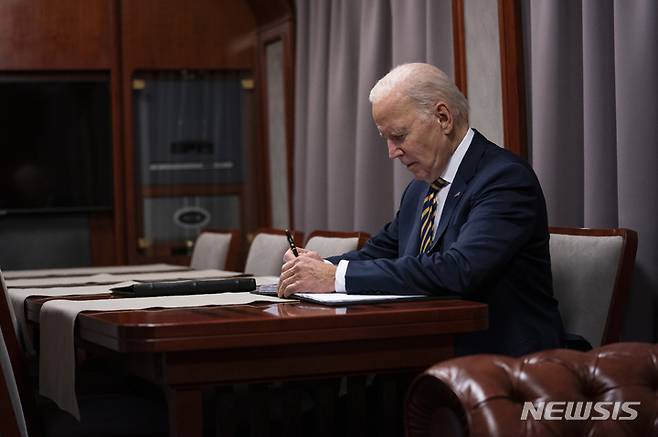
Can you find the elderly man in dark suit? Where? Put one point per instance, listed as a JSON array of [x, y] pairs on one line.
[[472, 224]]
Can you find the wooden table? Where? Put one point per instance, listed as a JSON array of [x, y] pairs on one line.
[[188, 349]]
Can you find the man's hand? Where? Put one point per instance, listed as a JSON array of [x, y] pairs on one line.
[[308, 274], [289, 256]]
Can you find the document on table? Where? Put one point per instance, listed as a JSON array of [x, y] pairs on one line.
[[337, 299]]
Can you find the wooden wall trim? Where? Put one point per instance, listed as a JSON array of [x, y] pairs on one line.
[[267, 12], [102, 238], [60, 35], [459, 45], [512, 72], [118, 170], [261, 163], [289, 74]]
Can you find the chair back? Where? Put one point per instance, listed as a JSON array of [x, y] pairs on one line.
[[592, 270], [332, 243], [14, 390], [265, 257], [216, 249]]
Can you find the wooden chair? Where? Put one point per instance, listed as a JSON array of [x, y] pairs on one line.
[[592, 270], [102, 415], [216, 249], [265, 256], [331, 243]]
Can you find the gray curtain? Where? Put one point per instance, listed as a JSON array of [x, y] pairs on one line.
[[592, 75], [343, 177]]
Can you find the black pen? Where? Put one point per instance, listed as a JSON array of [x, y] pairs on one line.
[[291, 243]]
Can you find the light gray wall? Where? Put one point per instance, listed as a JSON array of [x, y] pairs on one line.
[[483, 75], [276, 135]]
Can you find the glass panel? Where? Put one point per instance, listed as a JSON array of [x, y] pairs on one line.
[[483, 68], [56, 142], [180, 218], [276, 118], [190, 152]]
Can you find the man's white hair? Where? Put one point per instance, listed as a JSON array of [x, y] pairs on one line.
[[425, 85]]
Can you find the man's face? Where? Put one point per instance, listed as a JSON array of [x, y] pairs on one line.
[[417, 140]]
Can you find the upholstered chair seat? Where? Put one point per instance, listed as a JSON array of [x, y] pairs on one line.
[[592, 269], [215, 250], [332, 243], [265, 257]]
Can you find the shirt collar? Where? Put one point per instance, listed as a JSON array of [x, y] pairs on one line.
[[456, 158]]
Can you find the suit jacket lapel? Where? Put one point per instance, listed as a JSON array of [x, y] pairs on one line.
[[458, 186]]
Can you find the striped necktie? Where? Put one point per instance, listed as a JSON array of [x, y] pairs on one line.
[[427, 217]]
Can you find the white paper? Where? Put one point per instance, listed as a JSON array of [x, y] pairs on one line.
[[344, 298], [270, 289], [266, 280]]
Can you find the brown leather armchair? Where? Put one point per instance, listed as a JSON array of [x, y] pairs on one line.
[[611, 388]]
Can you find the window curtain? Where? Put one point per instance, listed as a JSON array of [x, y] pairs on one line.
[[593, 99], [343, 177]]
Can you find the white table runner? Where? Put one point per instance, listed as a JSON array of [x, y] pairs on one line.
[[57, 322], [108, 278], [75, 271], [17, 297]]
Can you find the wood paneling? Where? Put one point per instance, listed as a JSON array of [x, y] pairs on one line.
[[55, 35], [511, 71], [202, 34], [117, 137], [459, 45], [185, 408], [101, 239], [270, 11]]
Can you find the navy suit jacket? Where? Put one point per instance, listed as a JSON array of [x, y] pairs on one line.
[[491, 246]]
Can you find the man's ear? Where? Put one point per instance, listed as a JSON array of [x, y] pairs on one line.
[[444, 117]]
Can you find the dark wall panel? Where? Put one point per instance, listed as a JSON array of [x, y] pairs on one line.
[[202, 34], [55, 34], [44, 241]]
